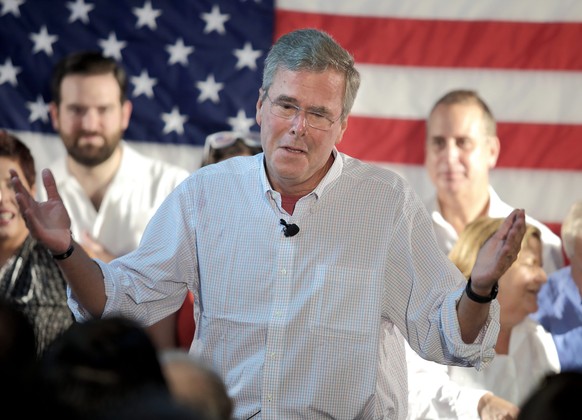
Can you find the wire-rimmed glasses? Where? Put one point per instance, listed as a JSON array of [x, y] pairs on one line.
[[288, 111]]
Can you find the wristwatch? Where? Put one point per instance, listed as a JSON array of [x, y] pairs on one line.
[[478, 298]]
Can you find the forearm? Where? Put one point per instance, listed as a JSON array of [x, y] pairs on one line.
[[472, 317], [85, 280]]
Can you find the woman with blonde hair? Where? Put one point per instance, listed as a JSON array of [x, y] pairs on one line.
[[525, 352]]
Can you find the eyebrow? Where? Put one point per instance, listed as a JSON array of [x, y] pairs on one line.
[[317, 109]]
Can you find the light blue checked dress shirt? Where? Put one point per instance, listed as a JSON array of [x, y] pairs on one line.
[[301, 327]]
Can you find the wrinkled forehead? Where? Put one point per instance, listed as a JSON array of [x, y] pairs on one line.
[[309, 88]]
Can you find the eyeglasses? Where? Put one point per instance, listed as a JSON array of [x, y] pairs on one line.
[[223, 139], [289, 111]]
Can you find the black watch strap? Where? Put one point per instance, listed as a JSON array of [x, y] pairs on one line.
[[478, 298]]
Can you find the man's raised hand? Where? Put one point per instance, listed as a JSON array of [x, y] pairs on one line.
[[48, 221]]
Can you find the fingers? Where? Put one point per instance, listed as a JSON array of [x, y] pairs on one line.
[[15, 179], [23, 197], [516, 230], [50, 185], [500, 251], [511, 222]]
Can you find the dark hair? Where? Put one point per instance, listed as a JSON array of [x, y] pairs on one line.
[[316, 51], [12, 147], [556, 398], [206, 391], [87, 63], [18, 359], [17, 339], [99, 364]]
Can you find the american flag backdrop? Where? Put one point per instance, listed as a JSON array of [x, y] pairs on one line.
[[195, 67]]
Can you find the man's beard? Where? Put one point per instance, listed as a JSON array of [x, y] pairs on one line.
[[90, 155]]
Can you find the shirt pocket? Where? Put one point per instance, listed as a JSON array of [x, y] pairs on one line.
[[346, 302]]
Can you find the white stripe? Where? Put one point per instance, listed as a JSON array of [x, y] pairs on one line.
[[514, 10], [528, 96], [545, 195]]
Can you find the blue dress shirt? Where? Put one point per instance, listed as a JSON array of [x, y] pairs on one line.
[[560, 312]]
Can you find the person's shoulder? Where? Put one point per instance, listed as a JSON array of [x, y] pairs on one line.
[[155, 167], [560, 275], [499, 208], [548, 236], [233, 165], [559, 284], [373, 172], [59, 170]]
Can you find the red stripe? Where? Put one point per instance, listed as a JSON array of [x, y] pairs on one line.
[[534, 146], [447, 43]]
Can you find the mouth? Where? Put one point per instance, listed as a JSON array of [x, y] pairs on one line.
[[534, 292], [293, 150], [450, 174], [6, 216], [89, 139]]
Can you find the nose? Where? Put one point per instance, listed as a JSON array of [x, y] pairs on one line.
[[90, 120], [299, 125], [451, 151], [541, 276], [4, 193]]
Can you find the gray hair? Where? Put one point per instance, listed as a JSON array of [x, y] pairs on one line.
[[316, 51], [572, 228]]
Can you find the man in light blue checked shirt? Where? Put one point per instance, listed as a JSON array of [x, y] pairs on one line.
[[307, 266]]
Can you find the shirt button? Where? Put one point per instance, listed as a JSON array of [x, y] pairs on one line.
[[273, 355], [269, 398], [278, 314], [283, 271]]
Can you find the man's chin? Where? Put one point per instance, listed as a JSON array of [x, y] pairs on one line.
[[89, 156], [89, 161]]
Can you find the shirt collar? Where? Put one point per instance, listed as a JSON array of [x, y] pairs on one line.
[[333, 174]]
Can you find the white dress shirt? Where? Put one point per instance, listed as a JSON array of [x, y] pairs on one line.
[[301, 327], [553, 258], [139, 187]]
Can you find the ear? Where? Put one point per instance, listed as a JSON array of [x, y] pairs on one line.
[[126, 109], [259, 105], [54, 113], [343, 128], [494, 148]]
